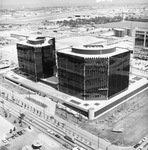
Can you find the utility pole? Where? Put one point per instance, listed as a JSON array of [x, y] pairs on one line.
[[111, 144], [98, 140]]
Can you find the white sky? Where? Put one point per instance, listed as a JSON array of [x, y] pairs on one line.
[[32, 3]]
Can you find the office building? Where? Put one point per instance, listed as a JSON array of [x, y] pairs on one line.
[[141, 44], [93, 72], [36, 57]]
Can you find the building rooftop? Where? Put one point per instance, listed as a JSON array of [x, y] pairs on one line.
[[135, 83], [36, 41], [93, 51], [141, 29], [119, 29]]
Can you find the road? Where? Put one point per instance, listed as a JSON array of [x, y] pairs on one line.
[[78, 131], [81, 135], [43, 125]]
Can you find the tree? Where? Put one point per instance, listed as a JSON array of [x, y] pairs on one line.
[[20, 121], [22, 116], [10, 130], [14, 121], [14, 129], [58, 123]]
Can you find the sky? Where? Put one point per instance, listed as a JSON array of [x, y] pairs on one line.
[[32, 3]]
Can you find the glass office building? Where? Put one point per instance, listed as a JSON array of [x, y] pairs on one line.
[[93, 72], [141, 44], [36, 57]]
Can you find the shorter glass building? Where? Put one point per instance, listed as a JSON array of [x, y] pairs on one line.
[[36, 57], [93, 72], [141, 44]]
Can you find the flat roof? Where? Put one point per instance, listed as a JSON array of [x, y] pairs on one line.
[[77, 41], [119, 29], [31, 40], [141, 29], [76, 102], [94, 49], [110, 53]]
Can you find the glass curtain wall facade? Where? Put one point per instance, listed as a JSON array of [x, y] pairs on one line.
[[71, 74], [141, 44], [39, 62], [49, 62], [96, 78], [93, 78], [118, 73], [29, 60]]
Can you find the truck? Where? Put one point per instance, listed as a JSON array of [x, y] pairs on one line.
[[69, 138]]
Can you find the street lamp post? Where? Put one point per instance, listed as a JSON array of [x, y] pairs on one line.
[[2, 103], [12, 95], [98, 140], [108, 146], [43, 112], [111, 144]]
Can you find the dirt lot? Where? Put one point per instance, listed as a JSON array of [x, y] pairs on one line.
[[130, 117]]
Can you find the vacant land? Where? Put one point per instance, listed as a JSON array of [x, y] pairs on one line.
[[129, 118]]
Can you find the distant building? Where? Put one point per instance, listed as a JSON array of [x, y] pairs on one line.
[[93, 72], [141, 44], [128, 31], [118, 32], [36, 57]]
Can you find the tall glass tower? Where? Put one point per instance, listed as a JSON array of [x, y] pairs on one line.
[[36, 57], [93, 72]]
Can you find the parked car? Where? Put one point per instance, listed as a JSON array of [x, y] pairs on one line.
[[140, 148], [8, 139], [4, 140], [66, 145], [13, 137], [7, 145], [50, 131], [144, 139], [20, 133], [137, 145], [16, 135], [32, 120], [57, 135]]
